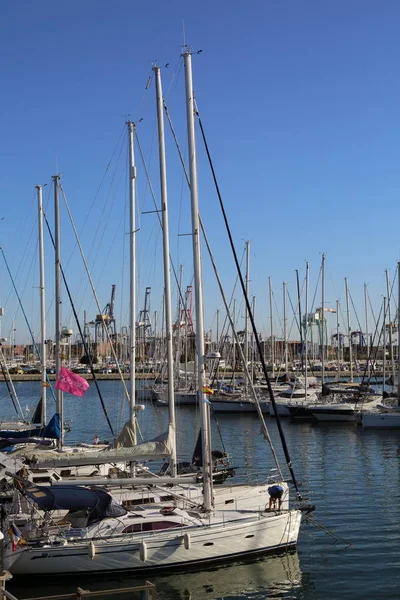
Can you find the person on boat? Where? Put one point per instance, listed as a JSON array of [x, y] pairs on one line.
[[96, 440], [219, 458], [275, 496]]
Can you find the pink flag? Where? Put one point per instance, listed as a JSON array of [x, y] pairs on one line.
[[71, 382]]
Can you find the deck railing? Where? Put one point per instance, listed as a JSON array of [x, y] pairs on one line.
[[148, 592]]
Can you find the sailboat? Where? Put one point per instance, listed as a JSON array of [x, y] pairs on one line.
[[96, 534], [38, 431], [384, 415]]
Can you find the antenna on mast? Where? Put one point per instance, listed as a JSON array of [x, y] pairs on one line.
[[183, 33]]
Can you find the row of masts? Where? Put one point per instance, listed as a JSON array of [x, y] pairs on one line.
[[167, 284]]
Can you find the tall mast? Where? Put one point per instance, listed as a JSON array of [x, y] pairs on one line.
[[57, 279], [43, 352], [300, 320], [162, 353], [306, 334], [384, 344], [167, 278], [233, 336], [285, 340], [246, 315], [271, 327], [338, 338], [253, 310], [349, 330], [217, 345], [389, 307], [204, 405], [186, 334], [178, 336], [132, 294], [155, 337], [366, 328], [398, 335], [323, 318], [217, 335]]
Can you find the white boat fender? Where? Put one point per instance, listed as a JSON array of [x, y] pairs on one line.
[[143, 551], [91, 550], [187, 542]]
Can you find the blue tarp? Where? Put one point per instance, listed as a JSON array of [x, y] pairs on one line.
[[52, 431], [98, 502]]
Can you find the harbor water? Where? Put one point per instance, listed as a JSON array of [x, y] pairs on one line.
[[350, 549]]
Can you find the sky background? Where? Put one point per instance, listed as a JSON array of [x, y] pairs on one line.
[[300, 104]]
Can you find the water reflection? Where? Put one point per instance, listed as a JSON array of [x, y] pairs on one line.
[[351, 475], [268, 577]]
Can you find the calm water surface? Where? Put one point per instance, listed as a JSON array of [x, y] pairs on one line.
[[351, 550]]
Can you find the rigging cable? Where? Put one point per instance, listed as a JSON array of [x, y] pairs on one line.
[[157, 212], [26, 320], [239, 276], [247, 374], [82, 336], [9, 383], [253, 325], [98, 307]]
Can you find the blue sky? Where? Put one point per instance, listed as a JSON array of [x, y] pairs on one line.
[[300, 106]]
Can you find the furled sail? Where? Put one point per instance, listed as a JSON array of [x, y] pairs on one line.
[[159, 447]]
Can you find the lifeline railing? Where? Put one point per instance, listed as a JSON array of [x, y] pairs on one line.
[[148, 592]]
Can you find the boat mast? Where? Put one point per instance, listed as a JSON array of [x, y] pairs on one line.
[[246, 316], [59, 397], [338, 339], [178, 341], [271, 327], [132, 295], [43, 353], [167, 278], [186, 336], [349, 330], [384, 344], [366, 329], [204, 403], [398, 335], [253, 309], [155, 355], [217, 345], [300, 321], [323, 318], [305, 336], [233, 336], [285, 341], [389, 306]]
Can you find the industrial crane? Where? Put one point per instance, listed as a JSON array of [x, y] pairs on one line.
[[107, 318]]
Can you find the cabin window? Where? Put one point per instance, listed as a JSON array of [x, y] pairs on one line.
[[41, 479], [133, 503], [151, 526], [133, 528], [156, 525]]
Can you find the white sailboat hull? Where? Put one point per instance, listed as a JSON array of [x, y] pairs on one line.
[[380, 419], [296, 398], [335, 413], [282, 410], [238, 406], [181, 398], [160, 550]]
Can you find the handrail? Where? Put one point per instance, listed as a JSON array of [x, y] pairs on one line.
[[149, 589]]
